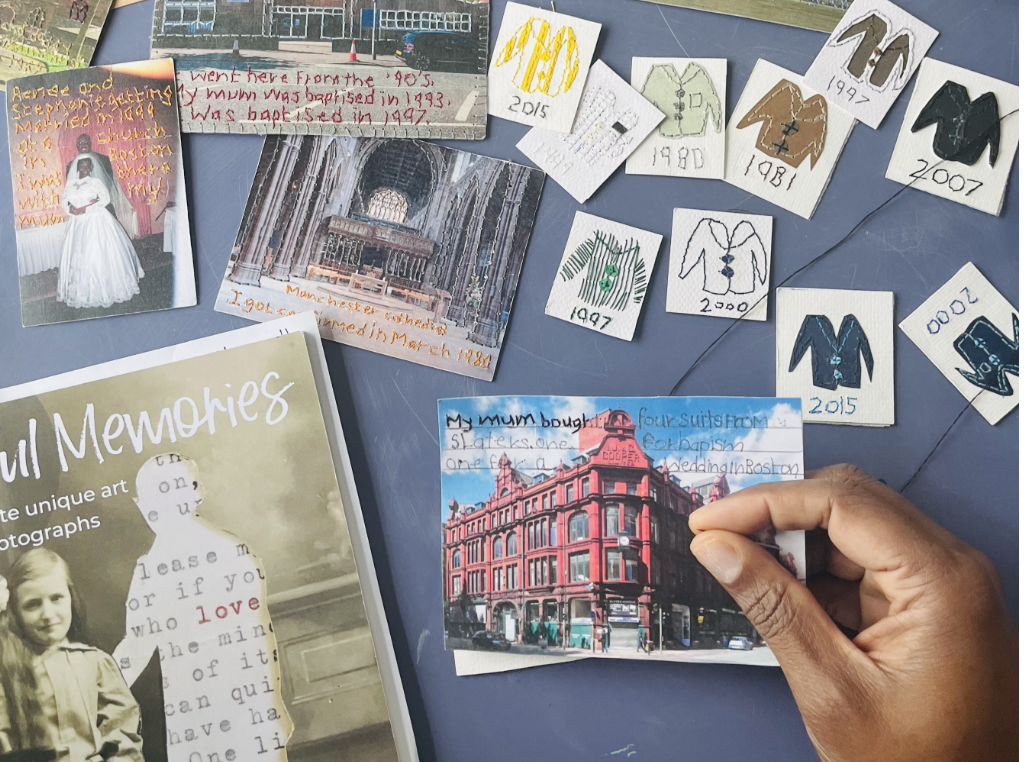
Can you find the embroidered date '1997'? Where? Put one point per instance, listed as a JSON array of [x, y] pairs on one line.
[[773, 174], [957, 307], [851, 92], [585, 315], [940, 176], [839, 406]]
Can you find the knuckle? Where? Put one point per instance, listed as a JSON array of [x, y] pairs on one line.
[[771, 609]]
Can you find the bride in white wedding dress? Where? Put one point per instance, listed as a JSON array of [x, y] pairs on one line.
[[99, 266]]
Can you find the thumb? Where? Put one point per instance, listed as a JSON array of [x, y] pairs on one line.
[[800, 633]]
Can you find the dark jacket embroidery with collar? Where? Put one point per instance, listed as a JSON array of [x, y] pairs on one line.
[[792, 127], [870, 53], [963, 127], [990, 354], [835, 356], [688, 100]]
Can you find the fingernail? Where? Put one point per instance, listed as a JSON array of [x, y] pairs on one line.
[[719, 558]]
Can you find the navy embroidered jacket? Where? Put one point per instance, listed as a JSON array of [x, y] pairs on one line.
[[835, 357]]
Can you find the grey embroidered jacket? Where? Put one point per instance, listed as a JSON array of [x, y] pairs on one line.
[[734, 264], [687, 100]]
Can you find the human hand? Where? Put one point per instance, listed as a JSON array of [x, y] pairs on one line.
[[931, 674]]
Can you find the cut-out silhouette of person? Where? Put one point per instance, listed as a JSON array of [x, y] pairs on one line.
[[199, 598]]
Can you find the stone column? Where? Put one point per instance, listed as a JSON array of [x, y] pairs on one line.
[[290, 241], [265, 216]]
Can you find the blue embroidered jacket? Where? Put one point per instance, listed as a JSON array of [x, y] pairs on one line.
[[835, 357]]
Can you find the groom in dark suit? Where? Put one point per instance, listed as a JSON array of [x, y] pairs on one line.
[[85, 146]]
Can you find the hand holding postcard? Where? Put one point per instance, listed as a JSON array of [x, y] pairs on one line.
[[564, 523], [101, 216]]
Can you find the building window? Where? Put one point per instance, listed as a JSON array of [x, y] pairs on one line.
[[654, 529], [553, 570], [569, 493], [544, 533], [613, 566], [554, 538], [533, 505], [544, 502], [457, 586], [496, 549], [189, 16], [585, 486], [551, 498], [516, 511], [457, 559], [612, 520], [578, 524], [510, 545], [391, 206], [630, 521], [496, 579], [513, 577], [631, 488], [579, 608], [608, 487], [656, 571], [631, 568], [654, 493], [580, 567]]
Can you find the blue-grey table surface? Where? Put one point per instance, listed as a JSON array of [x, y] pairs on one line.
[[911, 246]]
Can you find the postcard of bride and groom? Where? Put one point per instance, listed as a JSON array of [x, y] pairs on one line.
[[100, 215]]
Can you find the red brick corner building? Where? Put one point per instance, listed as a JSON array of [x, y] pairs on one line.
[[604, 541]]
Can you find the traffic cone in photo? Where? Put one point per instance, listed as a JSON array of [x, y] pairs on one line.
[[352, 53]]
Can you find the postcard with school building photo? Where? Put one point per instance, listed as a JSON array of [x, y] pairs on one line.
[[402, 247], [100, 213], [182, 585], [376, 68], [564, 522], [40, 36]]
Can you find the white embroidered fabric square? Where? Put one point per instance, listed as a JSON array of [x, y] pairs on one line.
[[783, 140], [691, 140], [959, 136], [834, 350], [612, 121], [869, 58], [719, 264], [604, 275], [970, 332], [539, 67]]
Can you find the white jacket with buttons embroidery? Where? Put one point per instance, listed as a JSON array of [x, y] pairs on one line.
[[734, 264]]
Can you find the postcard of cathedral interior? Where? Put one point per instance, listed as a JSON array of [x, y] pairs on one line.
[[402, 247], [100, 211], [370, 68]]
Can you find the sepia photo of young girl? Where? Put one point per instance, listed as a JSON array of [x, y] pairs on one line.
[[62, 699]]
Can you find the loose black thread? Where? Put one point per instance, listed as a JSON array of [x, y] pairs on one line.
[[804, 267]]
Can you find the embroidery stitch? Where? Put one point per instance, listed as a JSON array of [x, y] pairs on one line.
[[990, 354], [963, 127], [733, 263], [536, 69], [871, 55], [835, 361], [687, 100], [605, 260], [791, 127]]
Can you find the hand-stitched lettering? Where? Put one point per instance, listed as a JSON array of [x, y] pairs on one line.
[[835, 357], [990, 354], [963, 127]]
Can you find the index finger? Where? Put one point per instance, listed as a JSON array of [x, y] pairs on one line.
[[868, 522]]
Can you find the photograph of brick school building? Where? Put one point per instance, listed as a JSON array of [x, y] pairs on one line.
[[597, 552]]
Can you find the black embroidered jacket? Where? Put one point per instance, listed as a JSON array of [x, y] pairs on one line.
[[963, 127], [835, 357], [990, 354]]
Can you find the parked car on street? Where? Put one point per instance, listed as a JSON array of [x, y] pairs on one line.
[[439, 51], [739, 643], [490, 641]]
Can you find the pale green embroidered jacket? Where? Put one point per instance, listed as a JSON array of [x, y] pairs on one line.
[[687, 100]]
